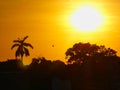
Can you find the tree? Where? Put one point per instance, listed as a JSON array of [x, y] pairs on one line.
[[21, 47], [81, 52]]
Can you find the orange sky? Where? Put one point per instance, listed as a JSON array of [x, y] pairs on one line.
[[44, 21]]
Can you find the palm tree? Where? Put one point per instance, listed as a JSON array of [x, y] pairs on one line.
[[22, 47]]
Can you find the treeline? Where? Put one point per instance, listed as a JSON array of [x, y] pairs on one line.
[[100, 75], [88, 67]]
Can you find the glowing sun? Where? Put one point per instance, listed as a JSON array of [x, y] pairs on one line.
[[86, 18]]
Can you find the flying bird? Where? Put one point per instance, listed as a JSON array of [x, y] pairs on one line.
[[52, 45]]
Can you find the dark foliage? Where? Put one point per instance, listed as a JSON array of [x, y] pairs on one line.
[[82, 52], [100, 71], [101, 75]]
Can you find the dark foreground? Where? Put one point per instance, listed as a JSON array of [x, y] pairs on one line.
[[47, 75]]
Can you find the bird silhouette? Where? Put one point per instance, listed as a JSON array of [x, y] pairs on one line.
[[52, 45]]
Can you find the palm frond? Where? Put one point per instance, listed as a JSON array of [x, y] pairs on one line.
[[26, 52], [18, 41], [25, 38], [17, 52], [22, 53], [14, 46], [22, 47], [28, 45]]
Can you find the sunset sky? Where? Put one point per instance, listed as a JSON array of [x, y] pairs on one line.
[[48, 22]]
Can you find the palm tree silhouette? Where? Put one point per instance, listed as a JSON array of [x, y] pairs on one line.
[[22, 47]]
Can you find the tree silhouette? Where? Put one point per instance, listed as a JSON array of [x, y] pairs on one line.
[[21, 47], [80, 52]]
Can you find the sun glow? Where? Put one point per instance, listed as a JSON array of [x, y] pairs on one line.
[[86, 18]]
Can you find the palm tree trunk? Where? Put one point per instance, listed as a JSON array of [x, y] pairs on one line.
[[21, 58]]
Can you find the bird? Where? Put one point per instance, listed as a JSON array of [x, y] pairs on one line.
[[52, 45]]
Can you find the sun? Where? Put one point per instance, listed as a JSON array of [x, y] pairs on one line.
[[86, 18]]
